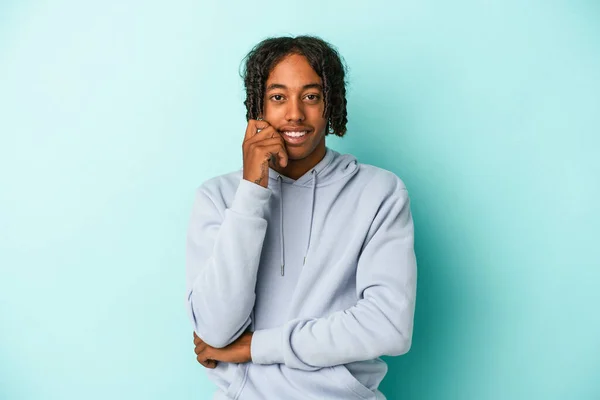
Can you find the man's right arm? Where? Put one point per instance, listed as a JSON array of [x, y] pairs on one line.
[[222, 256]]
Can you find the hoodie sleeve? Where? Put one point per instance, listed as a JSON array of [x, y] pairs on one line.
[[222, 256], [380, 323]]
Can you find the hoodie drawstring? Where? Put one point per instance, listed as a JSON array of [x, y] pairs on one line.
[[281, 222], [312, 210]]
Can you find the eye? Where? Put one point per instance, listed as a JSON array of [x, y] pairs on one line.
[[312, 97], [277, 97]]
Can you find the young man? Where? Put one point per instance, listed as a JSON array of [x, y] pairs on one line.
[[300, 268]]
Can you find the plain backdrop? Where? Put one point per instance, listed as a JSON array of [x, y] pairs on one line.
[[113, 112]]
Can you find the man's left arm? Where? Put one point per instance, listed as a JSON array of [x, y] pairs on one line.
[[380, 323]]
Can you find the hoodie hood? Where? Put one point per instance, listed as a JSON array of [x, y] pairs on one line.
[[332, 168]]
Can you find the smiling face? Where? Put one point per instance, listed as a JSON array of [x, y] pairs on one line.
[[293, 104]]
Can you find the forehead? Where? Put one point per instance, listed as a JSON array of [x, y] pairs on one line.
[[293, 71]]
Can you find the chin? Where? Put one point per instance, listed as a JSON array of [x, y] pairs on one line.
[[297, 155]]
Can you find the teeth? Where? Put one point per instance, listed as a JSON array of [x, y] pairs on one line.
[[295, 134]]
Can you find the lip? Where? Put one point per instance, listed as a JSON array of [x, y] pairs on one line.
[[294, 129], [292, 140]]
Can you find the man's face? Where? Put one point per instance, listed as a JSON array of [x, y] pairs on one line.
[[294, 102]]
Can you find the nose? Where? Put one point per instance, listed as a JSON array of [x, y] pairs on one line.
[[295, 111]]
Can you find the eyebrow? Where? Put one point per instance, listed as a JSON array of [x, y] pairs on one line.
[[308, 86]]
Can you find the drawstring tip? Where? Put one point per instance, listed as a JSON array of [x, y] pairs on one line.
[[304, 262], [281, 269]]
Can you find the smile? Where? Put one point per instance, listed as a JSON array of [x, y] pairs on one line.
[[295, 137], [295, 134]]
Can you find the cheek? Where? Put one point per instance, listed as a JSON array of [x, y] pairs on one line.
[[273, 113], [316, 115], [319, 122]]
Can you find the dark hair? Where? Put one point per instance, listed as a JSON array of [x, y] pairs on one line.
[[321, 56]]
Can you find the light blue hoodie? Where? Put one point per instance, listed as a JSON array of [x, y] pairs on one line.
[[322, 269]]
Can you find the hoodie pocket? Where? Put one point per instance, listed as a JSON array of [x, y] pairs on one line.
[[228, 377], [354, 386]]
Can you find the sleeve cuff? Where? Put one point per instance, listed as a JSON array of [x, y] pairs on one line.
[[251, 199], [266, 346]]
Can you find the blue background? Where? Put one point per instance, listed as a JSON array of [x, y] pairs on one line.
[[112, 113]]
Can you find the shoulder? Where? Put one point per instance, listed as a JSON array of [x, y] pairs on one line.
[[381, 182], [386, 198]]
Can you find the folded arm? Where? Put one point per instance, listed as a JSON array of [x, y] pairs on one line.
[[380, 323]]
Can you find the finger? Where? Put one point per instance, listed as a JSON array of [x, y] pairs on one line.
[[205, 357], [267, 133], [208, 363], [197, 341], [200, 348], [269, 141], [276, 148], [253, 126]]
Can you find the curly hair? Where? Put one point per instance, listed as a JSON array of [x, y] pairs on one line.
[[321, 56]]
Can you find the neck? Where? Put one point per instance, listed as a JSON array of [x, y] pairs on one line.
[[296, 168]]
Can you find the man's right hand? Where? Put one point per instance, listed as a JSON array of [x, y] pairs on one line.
[[259, 148]]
